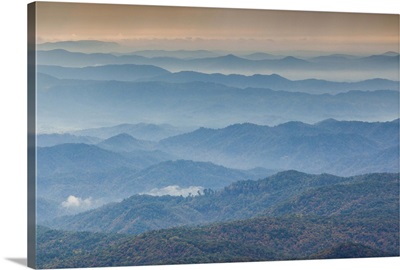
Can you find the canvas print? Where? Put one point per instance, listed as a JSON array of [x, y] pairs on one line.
[[180, 135]]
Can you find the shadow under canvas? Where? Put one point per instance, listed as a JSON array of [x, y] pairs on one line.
[[20, 261]]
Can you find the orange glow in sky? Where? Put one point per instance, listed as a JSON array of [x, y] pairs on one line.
[[211, 28]]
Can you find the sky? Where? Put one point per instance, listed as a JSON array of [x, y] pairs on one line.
[[152, 27]]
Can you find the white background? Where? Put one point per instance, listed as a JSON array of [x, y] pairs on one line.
[[13, 124]]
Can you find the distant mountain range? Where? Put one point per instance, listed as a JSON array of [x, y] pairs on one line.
[[338, 147], [75, 169], [87, 46], [182, 54], [185, 173], [104, 73], [121, 166], [141, 131], [122, 178], [97, 46], [104, 103], [276, 82], [273, 82], [384, 65], [53, 139], [67, 158], [126, 143]]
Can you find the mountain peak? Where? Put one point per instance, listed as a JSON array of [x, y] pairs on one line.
[[390, 53], [293, 125], [290, 173], [231, 57], [245, 124], [327, 121], [292, 59], [121, 137], [124, 142]]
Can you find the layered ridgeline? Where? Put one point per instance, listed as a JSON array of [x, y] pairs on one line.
[[181, 186], [170, 177], [331, 66], [286, 193], [198, 103], [116, 84], [140, 131], [290, 215], [130, 72], [337, 147], [77, 177], [121, 166], [120, 180]]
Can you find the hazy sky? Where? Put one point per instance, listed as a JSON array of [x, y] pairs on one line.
[[229, 29]]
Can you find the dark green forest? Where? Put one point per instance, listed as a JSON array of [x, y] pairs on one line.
[[284, 193], [257, 239], [289, 215]]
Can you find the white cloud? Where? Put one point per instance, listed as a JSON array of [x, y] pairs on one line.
[[175, 191], [73, 202]]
